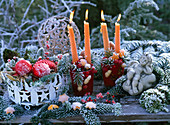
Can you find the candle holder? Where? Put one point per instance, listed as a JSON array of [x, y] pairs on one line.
[[111, 73], [85, 88], [82, 77], [112, 69]]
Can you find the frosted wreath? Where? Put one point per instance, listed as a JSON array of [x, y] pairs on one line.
[[23, 94], [54, 30]]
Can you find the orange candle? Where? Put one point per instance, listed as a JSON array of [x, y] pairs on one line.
[[72, 40], [117, 35], [104, 33], [87, 39]]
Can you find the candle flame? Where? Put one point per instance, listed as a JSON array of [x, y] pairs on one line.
[[71, 16], [86, 15], [102, 15], [118, 19]]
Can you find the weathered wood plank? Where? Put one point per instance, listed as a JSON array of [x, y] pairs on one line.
[[131, 113]]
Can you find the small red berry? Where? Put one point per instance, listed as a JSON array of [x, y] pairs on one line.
[[115, 61], [60, 56], [14, 57], [109, 101], [46, 53], [8, 60], [95, 71], [93, 68], [89, 98], [83, 100], [120, 62], [79, 65], [94, 100], [56, 63], [108, 93], [113, 102], [87, 72], [47, 42], [85, 87], [106, 100], [101, 96], [47, 58], [39, 58], [47, 46], [113, 96]]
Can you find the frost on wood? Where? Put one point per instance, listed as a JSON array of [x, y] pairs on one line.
[[53, 35]]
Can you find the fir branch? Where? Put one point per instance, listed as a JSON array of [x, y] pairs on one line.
[[102, 108], [78, 78], [89, 117]]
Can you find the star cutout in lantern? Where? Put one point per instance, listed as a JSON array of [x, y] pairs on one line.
[[25, 97], [63, 98], [43, 96]]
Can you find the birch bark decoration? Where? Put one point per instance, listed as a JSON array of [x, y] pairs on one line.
[[53, 35]]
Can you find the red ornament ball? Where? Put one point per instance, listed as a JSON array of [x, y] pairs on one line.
[[41, 69], [51, 64], [23, 67]]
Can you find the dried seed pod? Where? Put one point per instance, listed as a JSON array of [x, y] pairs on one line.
[[123, 65], [87, 79], [107, 74], [79, 88]]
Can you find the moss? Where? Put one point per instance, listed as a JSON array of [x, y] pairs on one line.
[[9, 54]]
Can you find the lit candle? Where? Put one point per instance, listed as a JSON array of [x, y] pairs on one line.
[[72, 40], [117, 35], [104, 33], [87, 39]]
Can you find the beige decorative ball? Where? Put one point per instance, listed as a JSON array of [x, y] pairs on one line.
[[53, 35]]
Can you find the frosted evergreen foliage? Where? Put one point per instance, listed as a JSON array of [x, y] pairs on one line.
[[65, 110], [102, 108], [3, 105], [154, 100], [64, 64], [75, 99], [90, 117]]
